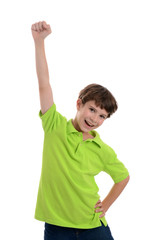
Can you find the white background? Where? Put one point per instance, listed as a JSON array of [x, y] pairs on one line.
[[113, 43]]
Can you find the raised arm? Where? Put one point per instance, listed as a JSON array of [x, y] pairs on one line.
[[40, 31]]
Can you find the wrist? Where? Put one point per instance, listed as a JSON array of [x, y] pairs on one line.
[[105, 205], [39, 42]]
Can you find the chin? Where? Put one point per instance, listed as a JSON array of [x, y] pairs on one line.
[[82, 129]]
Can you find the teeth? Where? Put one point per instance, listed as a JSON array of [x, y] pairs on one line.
[[89, 124]]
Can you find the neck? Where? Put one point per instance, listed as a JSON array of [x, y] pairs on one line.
[[75, 124]]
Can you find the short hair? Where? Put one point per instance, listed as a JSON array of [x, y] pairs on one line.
[[101, 95]]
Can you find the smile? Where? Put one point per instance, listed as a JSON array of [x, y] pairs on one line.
[[88, 124]]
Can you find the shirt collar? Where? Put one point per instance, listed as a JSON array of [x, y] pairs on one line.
[[96, 139]]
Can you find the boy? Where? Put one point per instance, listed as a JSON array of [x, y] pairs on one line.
[[73, 154]]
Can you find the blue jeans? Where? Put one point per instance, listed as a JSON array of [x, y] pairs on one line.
[[53, 232]]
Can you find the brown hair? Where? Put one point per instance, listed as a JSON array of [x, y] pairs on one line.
[[102, 97]]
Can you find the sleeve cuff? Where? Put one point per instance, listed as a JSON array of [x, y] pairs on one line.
[[52, 108], [121, 178]]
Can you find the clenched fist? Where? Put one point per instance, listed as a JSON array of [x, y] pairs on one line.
[[40, 30]]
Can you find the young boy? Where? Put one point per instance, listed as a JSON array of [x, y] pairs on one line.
[[73, 153]]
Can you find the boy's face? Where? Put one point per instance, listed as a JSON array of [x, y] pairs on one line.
[[88, 114]]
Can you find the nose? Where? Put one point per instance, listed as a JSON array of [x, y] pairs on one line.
[[94, 119]]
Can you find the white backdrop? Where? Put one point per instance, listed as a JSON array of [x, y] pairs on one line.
[[113, 43]]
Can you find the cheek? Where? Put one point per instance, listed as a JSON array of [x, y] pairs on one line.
[[81, 116], [100, 122], [85, 114]]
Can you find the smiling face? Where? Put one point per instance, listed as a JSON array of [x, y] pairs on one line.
[[89, 116]]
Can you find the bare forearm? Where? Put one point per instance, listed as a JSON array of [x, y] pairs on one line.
[[114, 193], [41, 64]]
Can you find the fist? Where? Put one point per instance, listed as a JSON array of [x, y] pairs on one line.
[[40, 30]]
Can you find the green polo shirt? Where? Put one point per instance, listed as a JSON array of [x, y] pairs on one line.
[[67, 189]]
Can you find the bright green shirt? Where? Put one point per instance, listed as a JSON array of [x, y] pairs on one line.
[[67, 189]]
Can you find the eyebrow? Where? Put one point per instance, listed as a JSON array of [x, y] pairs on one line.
[[96, 110]]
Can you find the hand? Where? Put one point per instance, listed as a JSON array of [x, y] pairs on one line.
[[101, 208], [40, 30]]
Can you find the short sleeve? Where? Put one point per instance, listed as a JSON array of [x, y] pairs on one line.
[[113, 166], [51, 119]]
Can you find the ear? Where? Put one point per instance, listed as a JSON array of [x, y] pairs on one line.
[[79, 103]]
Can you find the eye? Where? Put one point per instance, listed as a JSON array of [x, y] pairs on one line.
[[102, 116], [92, 109]]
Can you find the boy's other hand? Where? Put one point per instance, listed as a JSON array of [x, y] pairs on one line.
[[100, 208], [40, 30]]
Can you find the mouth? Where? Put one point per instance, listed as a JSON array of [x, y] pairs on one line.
[[89, 124]]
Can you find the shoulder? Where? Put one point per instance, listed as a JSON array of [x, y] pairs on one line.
[[52, 119], [105, 148]]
